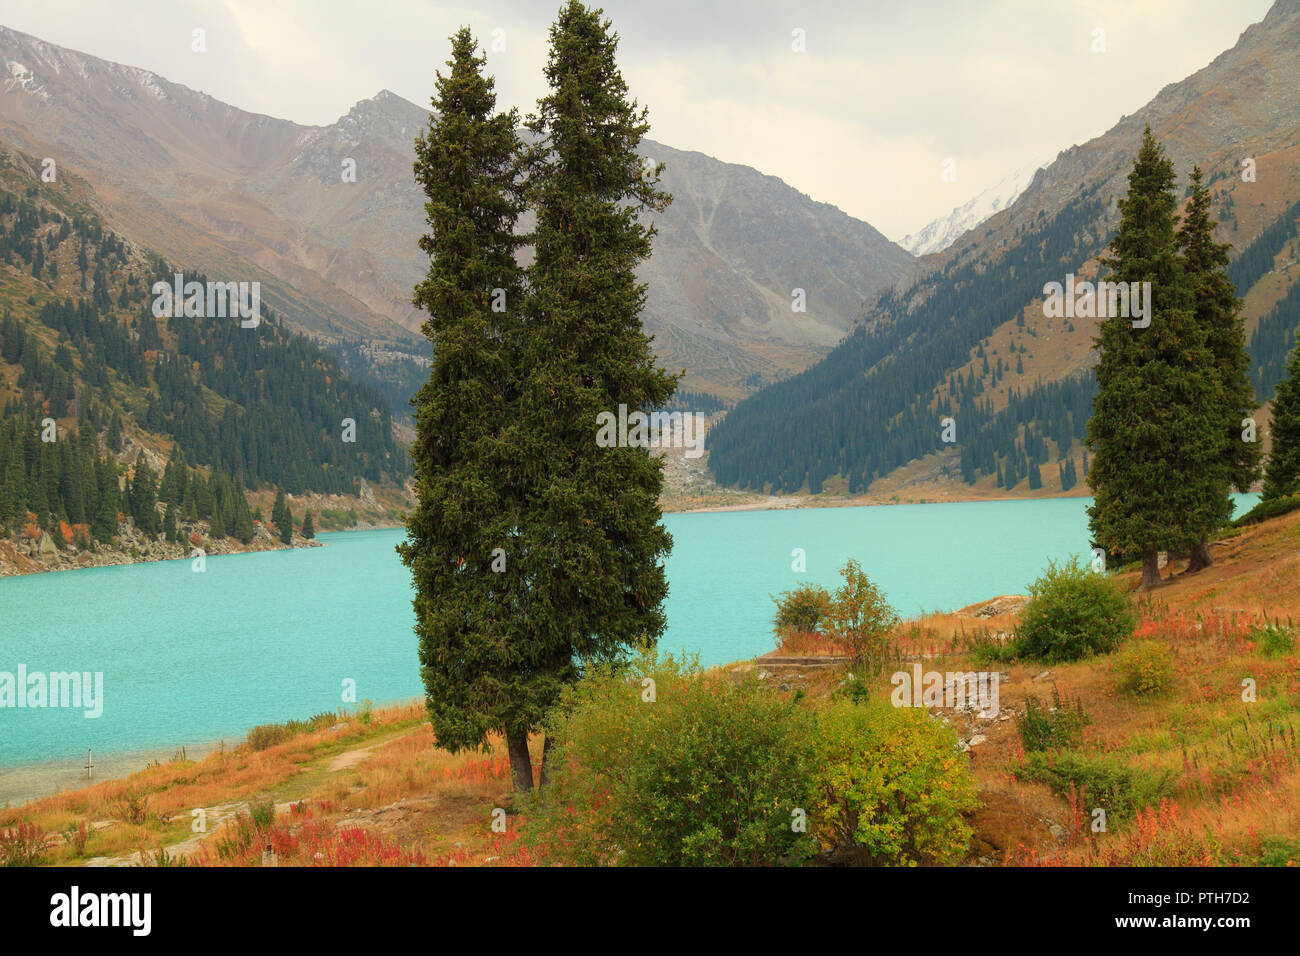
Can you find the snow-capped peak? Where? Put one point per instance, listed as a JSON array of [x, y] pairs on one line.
[[944, 231]]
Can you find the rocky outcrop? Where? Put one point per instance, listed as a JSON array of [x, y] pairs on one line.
[[21, 554]]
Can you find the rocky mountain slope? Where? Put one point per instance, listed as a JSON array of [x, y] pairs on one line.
[[967, 335], [254, 197]]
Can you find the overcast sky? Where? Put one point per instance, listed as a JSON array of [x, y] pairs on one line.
[[884, 92]]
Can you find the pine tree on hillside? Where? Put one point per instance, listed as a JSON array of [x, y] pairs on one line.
[[308, 529], [1282, 477], [241, 525], [104, 526], [144, 497], [281, 517], [169, 524], [1159, 471], [216, 527], [1218, 312], [593, 541], [478, 662]]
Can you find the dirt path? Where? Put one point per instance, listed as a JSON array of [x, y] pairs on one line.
[[215, 816]]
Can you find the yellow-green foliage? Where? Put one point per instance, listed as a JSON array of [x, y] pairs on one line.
[[890, 783], [662, 764], [1145, 669]]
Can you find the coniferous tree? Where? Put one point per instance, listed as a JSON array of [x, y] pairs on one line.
[[281, 517], [241, 523], [593, 542], [169, 524], [286, 529], [308, 529], [216, 527], [144, 497], [480, 665], [104, 527], [1218, 312], [1159, 472], [1282, 477]]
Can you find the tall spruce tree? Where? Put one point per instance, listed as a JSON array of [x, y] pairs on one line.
[[1218, 313], [1282, 477], [282, 517], [1159, 472], [479, 662], [593, 542]]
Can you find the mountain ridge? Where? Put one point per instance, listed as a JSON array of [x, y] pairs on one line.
[[236, 192]]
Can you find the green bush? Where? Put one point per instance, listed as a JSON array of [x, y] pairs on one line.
[[888, 787], [1058, 728], [663, 764], [987, 649], [1100, 781], [805, 608], [1274, 639], [1279, 851], [1145, 669], [268, 735], [1073, 612], [262, 813], [1273, 508]]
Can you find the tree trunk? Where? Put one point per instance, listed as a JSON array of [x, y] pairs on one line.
[[1199, 559], [1150, 569], [546, 762], [521, 763]]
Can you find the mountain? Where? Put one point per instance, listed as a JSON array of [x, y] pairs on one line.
[[967, 337], [90, 360], [941, 233], [246, 196]]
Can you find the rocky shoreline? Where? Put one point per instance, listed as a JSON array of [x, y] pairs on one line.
[[23, 554]]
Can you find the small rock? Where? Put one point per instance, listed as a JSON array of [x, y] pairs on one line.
[[1043, 675], [977, 740]]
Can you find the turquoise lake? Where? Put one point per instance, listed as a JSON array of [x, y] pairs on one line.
[[191, 658]]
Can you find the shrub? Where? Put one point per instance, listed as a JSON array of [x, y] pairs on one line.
[[24, 845], [694, 769], [862, 620], [1273, 639], [1073, 612], [888, 787], [1279, 851], [1145, 669], [77, 836], [262, 813], [133, 808], [1273, 508], [1059, 728], [267, 735], [1101, 781], [801, 611], [985, 648]]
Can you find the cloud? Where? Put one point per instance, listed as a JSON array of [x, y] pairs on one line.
[[884, 92]]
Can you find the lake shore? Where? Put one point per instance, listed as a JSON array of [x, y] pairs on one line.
[[24, 782]]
